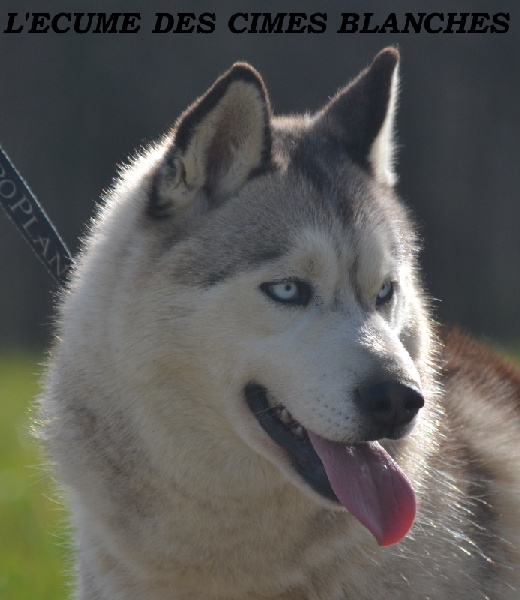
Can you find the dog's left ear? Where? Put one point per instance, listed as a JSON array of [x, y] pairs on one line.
[[361, 116], [218, 143]]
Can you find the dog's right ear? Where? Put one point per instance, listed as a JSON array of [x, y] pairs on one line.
[[218, 143]]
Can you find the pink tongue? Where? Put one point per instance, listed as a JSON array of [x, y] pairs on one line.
[[370, 485]]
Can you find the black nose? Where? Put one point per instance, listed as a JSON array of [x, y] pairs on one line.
[[390, 404]]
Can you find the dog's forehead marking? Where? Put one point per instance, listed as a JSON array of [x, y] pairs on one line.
[[317, 255], [333, 259], [278, 212], [352, 211]]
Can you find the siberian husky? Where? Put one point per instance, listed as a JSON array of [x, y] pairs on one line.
[[247, 398]]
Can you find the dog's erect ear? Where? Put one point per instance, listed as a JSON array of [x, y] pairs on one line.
[[361, 116], [219, 142]]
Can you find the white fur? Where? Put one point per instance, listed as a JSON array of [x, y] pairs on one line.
[[176, 492]]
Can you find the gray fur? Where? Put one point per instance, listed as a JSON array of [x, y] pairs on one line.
[[176, 492]]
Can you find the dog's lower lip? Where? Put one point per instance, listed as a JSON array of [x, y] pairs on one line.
[[304, 458]]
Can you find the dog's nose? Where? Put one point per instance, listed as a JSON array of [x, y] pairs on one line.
[[390, 404]]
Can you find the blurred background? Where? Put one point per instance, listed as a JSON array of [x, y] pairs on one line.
[[73, 107]]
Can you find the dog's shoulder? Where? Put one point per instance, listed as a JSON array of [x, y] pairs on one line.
[[481, 401], [476, 368]]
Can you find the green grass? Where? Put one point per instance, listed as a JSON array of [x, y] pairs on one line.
[[33, 542]]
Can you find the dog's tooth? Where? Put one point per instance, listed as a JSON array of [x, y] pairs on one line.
[[298, 431], [284, 416]]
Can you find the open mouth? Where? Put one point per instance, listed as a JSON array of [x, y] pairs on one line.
[[362, 477], [292, 437]]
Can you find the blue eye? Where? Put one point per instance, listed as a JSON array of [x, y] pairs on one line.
[[385, 294], [288, 292]]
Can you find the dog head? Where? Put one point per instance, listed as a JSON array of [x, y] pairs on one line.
[[279, 273]]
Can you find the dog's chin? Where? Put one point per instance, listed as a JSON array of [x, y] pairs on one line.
[[291, 437]]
